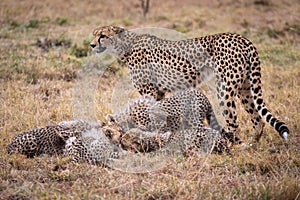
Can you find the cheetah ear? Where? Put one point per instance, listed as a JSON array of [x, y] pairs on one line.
[[110, 119], [121, 31], [117, 29]]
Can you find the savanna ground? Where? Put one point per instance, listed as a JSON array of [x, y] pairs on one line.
[[43, 45]]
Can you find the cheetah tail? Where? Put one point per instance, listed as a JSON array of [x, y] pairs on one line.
[[259, 104]]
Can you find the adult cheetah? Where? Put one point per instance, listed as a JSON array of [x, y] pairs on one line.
[[158, 66]]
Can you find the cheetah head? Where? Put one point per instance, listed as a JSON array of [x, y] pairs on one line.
[[103, 37]]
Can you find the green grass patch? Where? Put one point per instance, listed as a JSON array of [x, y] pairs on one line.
[[61, 21], [33, 23]]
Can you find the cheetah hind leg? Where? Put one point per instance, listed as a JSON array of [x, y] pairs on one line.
[[227, 105], [248, 104], [214, 124]]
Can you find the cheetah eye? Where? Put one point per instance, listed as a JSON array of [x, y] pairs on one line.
[[101, 37]]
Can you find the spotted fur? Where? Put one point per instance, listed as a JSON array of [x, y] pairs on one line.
[[185, 110], [158, 66], [181, 114], [48, 140], [89, 142], [84, 141]]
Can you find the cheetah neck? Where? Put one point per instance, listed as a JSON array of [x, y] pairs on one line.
[[127, 41], [123, 43]]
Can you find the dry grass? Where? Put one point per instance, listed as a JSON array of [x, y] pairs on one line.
[[37, 80]]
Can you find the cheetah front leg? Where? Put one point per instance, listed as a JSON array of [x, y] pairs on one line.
[[145, 82]]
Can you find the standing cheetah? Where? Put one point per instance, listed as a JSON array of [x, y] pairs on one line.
[[158, 66]]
